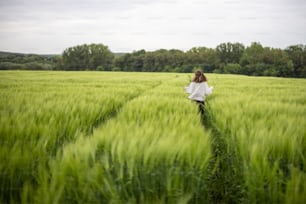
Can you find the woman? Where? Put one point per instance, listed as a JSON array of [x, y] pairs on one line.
[[198, 89]]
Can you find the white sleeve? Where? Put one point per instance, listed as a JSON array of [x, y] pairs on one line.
[[208, 90], [189, 89]]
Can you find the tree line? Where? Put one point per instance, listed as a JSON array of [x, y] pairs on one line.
[[234, 58], [19, 61]]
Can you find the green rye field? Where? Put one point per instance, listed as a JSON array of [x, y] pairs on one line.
[[114, 137]]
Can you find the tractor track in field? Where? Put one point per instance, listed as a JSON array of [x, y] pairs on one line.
[[113, 114], [225, 170], [102, 120]]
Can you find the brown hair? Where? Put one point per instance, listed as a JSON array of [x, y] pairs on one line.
[[199, 77]]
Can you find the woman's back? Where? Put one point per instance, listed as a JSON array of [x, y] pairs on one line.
[[198, 91]]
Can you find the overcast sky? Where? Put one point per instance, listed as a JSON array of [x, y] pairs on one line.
[[50, 26]]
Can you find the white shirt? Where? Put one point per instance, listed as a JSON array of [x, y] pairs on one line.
[[198, 91]]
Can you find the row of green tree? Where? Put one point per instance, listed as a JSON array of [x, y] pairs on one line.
[[19, 61], [225, 58]]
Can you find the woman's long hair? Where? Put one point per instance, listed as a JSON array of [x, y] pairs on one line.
[[199, 77]]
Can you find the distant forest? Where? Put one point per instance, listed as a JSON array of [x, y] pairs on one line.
[[233, 58]]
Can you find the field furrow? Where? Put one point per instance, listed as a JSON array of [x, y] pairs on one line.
[[225, 177]]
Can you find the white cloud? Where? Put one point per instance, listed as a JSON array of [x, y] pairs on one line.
[[51, 26]]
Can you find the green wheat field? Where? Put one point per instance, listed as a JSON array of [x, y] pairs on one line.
[[114, 137]]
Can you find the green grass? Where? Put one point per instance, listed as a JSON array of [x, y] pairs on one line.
[[111, 137], [263, 120]]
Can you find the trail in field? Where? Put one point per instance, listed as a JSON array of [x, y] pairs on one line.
[[102, 120], [111, 115], [225, 178], [114, 113]]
